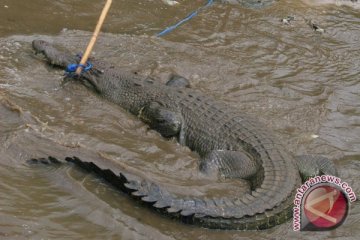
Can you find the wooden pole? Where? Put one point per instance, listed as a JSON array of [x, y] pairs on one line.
[[94, 36]]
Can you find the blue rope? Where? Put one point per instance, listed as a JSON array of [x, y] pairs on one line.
[[190, 16], [71, 68]]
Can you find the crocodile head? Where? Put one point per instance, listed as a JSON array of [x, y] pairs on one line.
[[62, 59], [54, 56]]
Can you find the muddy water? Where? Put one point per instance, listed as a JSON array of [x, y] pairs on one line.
[[299, 82]]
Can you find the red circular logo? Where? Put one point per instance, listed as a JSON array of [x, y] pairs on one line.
[[325, 206]]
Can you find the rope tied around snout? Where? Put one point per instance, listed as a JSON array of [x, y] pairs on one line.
[[71, 68]]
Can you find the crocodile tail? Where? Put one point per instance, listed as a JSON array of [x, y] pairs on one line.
[[215, 213]]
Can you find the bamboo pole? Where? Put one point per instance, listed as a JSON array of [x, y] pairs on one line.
[[94, 36]]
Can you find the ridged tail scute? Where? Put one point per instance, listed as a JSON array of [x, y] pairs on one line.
[[215, 213]]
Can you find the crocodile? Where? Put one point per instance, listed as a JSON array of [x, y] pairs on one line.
[[230, 145]]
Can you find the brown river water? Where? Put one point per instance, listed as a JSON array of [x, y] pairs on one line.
[[299, 82]]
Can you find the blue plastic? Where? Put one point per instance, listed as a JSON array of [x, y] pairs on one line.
[[71, 68], [190, 16]]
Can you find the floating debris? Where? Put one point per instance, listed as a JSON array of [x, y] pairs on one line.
[[316, 27], [171, 2], [314, 136], [288, 20]]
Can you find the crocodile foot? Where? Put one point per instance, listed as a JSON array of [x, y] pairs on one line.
[[315, 165]]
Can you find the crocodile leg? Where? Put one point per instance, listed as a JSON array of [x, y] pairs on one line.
[[178, 81], [314, 165], [166, 122], [229, 164]]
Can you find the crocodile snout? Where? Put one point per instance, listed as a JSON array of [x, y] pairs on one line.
[[54, 56], [39, 45]]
